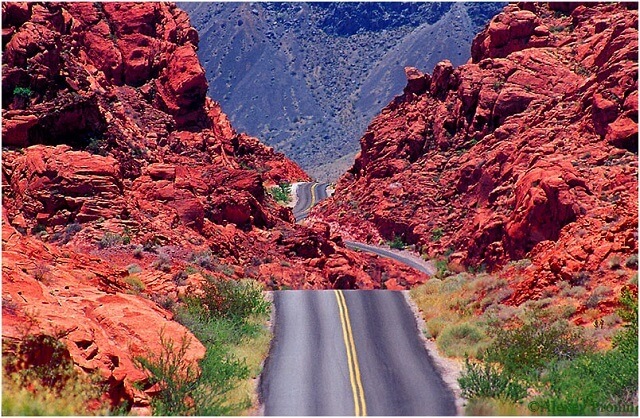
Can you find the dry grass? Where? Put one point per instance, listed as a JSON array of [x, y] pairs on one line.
[[495, 407]]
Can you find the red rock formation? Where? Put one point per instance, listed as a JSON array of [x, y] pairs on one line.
[[527, 151], [115, 157]]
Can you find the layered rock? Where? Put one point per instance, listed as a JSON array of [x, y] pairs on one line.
[[528, 151], [119, 173]]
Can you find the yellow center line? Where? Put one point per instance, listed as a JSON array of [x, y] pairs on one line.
[[313, 195], [352, 357]]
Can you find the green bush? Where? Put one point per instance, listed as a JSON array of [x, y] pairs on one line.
[[187, 389], [281, 193], [25, 92], [136, 284], [527, 350], [437, 234], [397, 243], [486, 381], [596, 380], [460, 340]]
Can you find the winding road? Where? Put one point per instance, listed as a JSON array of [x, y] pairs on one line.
[[308, 195], [349, 352]]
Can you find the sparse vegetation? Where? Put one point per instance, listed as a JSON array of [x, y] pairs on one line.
[[111, 239], [632, 262], [162, 262], [437, 234], [204, 259], [40, 271], [552, 365], [228, 319], [397, 243], [39, 379]]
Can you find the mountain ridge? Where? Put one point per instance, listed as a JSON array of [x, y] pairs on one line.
[[323, 66]]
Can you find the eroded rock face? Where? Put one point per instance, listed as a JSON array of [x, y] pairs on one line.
[[528, 151], [119, 173]]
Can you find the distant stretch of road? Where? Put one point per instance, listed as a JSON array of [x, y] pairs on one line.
[[308, 195], [311, 193], [349, 353], [409, 260]]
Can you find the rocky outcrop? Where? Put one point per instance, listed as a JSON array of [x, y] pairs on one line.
[[528, 151], [124, 186]]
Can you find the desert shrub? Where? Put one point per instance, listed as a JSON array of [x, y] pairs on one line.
[[40, 271], [579, 278], [136, 284], [233, 299], [133, 268], [281, 193], [435, 326], [69, 231], [485, 380], [453, 283], [137, 251], [225, 269], [162, 262], [204, 259], [442, 269], [598, 294], [180, 278], [574, 292], [459, 340], [496, 296], [226, 318], [594, 380], [614, 262], [111, 239], [632, 262]]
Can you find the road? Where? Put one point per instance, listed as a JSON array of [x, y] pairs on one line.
[[410, 260], [308, 195], [349, 353], [311, 193]]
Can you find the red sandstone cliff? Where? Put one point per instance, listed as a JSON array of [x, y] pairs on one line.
[[528, 151], [116, 161]]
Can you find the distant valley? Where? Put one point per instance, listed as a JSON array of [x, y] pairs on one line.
[[307, 78]]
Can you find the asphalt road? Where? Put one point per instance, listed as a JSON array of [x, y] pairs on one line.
[[409, 260], [349, 353], [308, 195]]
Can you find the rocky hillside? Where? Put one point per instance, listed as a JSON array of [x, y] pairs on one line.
[[308, 77], [529, 152], [124, 185]]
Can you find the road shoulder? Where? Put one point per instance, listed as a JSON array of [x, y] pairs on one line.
[[449, 369]]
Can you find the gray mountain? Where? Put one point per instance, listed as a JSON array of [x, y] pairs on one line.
[[307, 78]]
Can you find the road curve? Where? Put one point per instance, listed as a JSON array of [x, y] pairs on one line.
[[349, 353], [410, 260], [308, 195]]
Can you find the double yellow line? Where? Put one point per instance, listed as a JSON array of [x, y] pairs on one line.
[[313, 199], [352, 357]]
